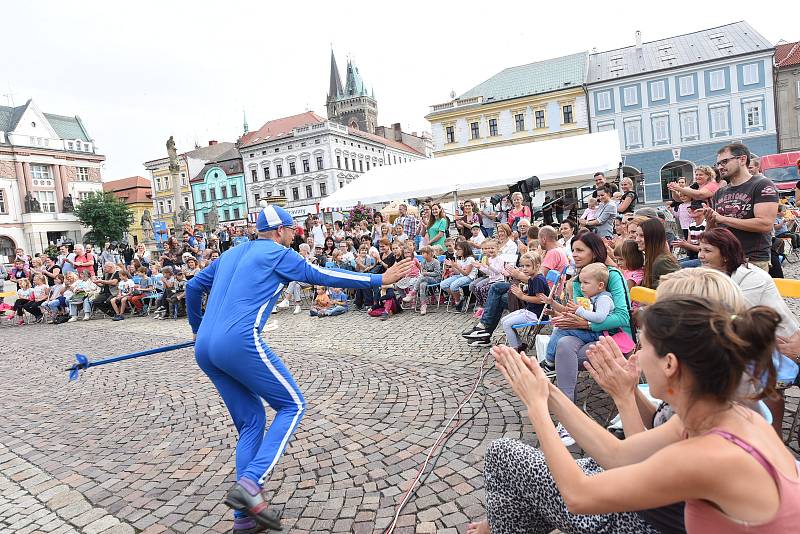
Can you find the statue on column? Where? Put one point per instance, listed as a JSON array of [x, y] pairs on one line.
[[173, 155], [184, 215], [68, 205], [147, 225], [212, 218]]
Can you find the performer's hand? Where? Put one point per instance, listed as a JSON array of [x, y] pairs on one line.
[[397, 271]]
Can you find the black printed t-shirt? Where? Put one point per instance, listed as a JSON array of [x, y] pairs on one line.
[[738, 202]]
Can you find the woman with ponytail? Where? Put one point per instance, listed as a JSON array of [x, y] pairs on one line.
[[718, 456]]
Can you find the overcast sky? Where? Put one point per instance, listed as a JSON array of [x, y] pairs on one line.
[[138, 72]]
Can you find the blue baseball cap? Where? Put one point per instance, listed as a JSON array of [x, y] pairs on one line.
[[272, 217]]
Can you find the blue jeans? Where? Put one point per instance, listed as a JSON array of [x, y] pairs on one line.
[[455, 282], [330, 312], [587, 336], [685, 264], [496, 302]]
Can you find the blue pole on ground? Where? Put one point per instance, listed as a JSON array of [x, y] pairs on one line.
[[84, 363]]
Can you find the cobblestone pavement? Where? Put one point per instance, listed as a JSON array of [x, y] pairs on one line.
[[147, 445]]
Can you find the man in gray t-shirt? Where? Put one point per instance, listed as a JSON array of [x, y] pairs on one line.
[[603, 223]]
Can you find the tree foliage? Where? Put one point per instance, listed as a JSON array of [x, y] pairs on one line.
[[107, 216]]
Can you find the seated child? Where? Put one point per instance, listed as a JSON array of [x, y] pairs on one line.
[[494, 268], [177, 300], [477, 237], [594, 306], [399, 235], [463, 272], [24, 296], [534, 294], [430, 272], [339, 304], [408, 280], [321, 302], [124, 292]]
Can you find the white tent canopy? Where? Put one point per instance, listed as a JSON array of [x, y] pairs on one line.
[[558, 163]]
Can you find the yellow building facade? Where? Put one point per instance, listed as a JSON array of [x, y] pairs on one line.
[[136, 193], [537, 101]]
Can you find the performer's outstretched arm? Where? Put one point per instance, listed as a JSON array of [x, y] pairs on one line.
[[199, 284], [294, 267]]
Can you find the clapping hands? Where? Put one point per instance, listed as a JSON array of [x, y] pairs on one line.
[[524, 375], [609, 368]]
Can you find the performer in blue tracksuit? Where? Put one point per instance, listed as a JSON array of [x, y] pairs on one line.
[[244, 285]]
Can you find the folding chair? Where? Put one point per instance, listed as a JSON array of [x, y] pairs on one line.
[[555, 278]]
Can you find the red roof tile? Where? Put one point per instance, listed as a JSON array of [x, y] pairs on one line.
[[787, 54], [379, 139], [278, 128], [133, 190]]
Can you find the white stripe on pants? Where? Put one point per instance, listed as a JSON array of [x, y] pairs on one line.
[[516, 317]]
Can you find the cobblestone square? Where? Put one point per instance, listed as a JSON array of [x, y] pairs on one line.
[[147, 445]]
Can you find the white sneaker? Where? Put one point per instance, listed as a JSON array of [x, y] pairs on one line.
[[270, 326], [566, 439], [423, 309], [86, 316], [297, 310], [72, 319], [410, 297], [284, 304]]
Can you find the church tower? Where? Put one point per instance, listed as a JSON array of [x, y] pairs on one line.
[[352, 105]]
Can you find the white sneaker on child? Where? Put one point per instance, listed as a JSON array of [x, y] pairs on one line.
[[566, 439], [284, 304], [297, 310]]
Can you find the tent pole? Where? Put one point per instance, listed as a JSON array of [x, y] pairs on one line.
[[455, 205]]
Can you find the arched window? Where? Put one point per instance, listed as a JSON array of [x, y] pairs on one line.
[[7, 247]]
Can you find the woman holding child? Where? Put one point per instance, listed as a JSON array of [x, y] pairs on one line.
[[588, 248]]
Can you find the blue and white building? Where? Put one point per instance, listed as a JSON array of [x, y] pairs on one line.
[[677, 100]]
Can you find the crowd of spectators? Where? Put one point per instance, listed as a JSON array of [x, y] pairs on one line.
[[494, 256]]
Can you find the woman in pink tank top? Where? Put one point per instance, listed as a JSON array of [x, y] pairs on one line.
[[722, 459]]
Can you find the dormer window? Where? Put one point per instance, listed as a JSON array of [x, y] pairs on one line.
[[33, 124]]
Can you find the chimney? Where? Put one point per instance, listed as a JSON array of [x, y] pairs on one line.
[[398, 133], [638, 35], [212, 143]]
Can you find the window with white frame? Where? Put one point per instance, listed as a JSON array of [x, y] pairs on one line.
[[82, 174], [3, 208], [716, 80], [169, 205], [752, 114], [70, 145], [166, 183], [604, 100], [605, 126], [660, 128], [658, 91], [750, 74], [798, 89], [686, 85], [41, 172], [47, 201], [186, 201], [688, 125], [719, 120], [161, 206], [633, 133], [184, 181], [629, 96], [83, 195]]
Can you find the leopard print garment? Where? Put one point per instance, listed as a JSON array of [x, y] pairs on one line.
[[522, 497]]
